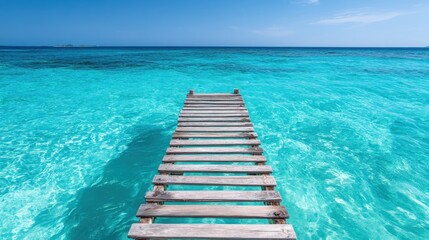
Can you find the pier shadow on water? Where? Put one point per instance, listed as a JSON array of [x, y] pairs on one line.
[[106, 209]]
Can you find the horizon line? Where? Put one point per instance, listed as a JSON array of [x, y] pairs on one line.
[[193, 46]]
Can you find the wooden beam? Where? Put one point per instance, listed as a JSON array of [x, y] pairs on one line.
[[213, 158], [211, 150], [203, 95], [214, 129], [215, 180], [208, 119], [214, 112], [212, 231], [213, 196], [215, 124], [229, 102], [212, 211], [214, 108], [214, 135], [184, 168], [224, 115], [228, 142]]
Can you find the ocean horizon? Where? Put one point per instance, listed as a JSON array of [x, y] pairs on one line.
[[169, 47], [83, 130]]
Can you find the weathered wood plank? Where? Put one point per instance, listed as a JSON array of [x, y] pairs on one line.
[[214, 112], [207, 119], [215, 180], [213, 100], [175, 143], [191, 103], [254, 169], [212, 150], [213, 158], [214, 108], [216, 99], [215, 124], [218, 105], [214, 135], [214, 129], [214, 103], [212, 231], [221, 211], [207, 105], [213, 196], [224, 115], [213, 95]]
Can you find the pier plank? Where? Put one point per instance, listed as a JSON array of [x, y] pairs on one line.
[[226, 102], [174, 168], [213, 158], [214, 108], [213, 95], [215, 124], [218, 98], [212, 231], [194, 105], [215, 135], [215, 180], [214, 112], [212, 150], [232, 119], [215, 99], [222, 142], [214, 211], [229, 102], [213, 196], [224, 115], [214, 129]]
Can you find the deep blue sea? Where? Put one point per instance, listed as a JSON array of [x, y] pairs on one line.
[[82, 132]]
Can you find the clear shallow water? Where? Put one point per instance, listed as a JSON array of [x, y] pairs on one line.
[[82, 132]]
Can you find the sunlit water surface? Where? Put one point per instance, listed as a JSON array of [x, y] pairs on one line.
[[82, 132]]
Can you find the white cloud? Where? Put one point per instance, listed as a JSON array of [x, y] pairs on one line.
[[359, 17], [306, 2], [313, 1], [273, 32]]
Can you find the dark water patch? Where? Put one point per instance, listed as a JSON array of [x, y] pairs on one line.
[[243, 68], [227, 68], [397, 71], [392, 169], [106, 209], [84, 64]]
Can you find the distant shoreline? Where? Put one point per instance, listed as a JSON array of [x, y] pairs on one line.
[[74, 46]]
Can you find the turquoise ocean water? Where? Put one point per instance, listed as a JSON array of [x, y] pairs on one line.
[[82, 132]]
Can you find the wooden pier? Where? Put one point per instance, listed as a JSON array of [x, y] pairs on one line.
[[214, 136]]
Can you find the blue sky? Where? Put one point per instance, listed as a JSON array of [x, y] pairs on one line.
[[379, 23]]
